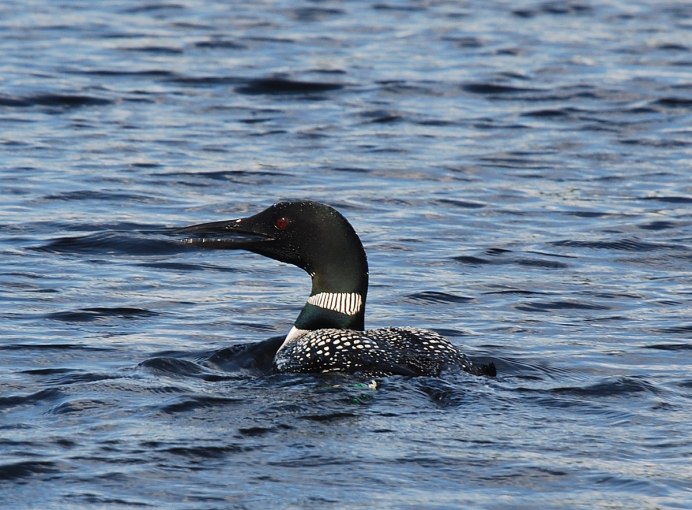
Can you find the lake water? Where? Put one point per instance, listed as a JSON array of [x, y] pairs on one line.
[[519, 173]]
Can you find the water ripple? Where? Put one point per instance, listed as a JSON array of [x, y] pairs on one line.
[[282, 86], [24, 469], [64, 101]]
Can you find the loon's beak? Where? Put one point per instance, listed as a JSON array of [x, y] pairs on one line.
[[228, 235]]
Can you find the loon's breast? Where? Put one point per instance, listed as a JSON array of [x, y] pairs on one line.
[[374, 352]]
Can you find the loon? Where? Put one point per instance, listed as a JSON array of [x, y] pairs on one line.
[[329, 335]]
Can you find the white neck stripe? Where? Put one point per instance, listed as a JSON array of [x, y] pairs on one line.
[[349, 303]]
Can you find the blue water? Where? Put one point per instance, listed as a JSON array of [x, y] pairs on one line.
[[519, 173]]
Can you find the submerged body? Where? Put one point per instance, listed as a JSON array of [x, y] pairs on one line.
[[329, 335]]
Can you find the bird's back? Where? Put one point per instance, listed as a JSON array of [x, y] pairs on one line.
[[387, 351]]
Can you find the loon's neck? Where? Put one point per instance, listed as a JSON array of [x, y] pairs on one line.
[[339, 290]]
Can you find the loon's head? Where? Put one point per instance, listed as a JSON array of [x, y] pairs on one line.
[[310, 235]]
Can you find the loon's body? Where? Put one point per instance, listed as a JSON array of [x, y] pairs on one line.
[[329, 335], [386, 351]]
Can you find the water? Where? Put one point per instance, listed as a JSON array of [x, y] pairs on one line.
[[518, 172]]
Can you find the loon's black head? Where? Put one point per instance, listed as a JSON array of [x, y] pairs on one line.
[[310, 235]]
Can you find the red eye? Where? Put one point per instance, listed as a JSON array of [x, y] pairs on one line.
[[281, 223]]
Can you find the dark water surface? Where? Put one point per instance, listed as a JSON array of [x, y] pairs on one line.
[[519, 173]]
